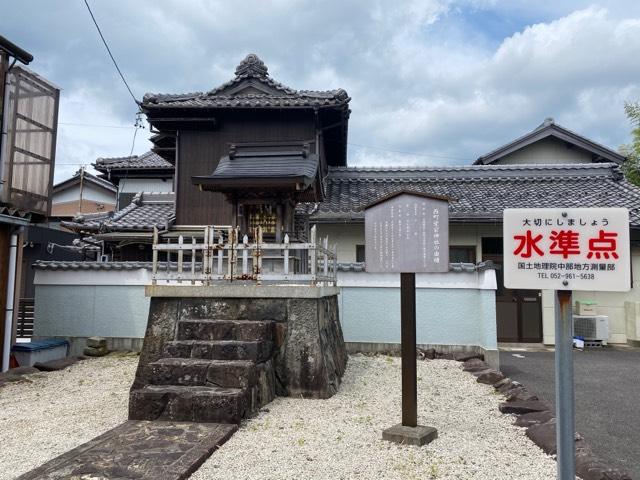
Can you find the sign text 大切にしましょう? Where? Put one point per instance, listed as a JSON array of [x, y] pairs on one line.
[[567, 249]]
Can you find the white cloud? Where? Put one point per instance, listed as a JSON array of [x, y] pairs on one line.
[[425, 76], [80, 143]]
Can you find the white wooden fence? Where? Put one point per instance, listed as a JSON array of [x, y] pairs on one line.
[[216, 254]]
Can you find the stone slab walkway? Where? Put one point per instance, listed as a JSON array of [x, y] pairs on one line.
[[139, 450]]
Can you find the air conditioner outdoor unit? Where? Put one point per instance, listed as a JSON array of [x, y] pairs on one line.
[[594, 327]]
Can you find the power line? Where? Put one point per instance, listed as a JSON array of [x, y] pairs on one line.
[[406, 153], [415, 154], [92, 125], [109, 51]]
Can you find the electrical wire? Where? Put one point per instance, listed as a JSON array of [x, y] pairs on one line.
[[432, 155], [92, 125], [109, 52], [359, 145]]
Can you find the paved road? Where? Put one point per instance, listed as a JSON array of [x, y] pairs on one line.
[[607, 386]]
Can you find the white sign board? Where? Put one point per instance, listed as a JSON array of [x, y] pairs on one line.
[[407, 233], [567, 249]]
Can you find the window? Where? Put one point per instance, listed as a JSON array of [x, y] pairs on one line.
[[359, 253], [464, 254]]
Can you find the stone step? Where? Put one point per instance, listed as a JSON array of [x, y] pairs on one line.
[[224, 330], [197, 371], [258, 351], [188, 404]]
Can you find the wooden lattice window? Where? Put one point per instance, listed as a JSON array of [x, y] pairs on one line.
[[29, 148]]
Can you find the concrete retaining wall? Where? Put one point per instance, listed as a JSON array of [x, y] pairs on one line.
[[454, 309]]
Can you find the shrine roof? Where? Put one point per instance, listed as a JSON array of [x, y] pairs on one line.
[[480, 193], [252, 87], [249, 164]]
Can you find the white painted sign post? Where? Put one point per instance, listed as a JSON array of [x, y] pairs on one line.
[[565, 249]]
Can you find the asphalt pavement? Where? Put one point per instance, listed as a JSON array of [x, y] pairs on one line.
[[607, 393]]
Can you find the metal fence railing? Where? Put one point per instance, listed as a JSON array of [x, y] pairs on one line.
[[215, 254]]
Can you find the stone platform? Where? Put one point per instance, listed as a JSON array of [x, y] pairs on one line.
[[139, 450], [219, 353]]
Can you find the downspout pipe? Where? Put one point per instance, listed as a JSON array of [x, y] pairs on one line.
[[11, 290]]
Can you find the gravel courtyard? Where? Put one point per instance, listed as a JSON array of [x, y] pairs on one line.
[[57, 411], [337, 438]]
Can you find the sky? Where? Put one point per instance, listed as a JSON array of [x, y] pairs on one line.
[[432, 82]]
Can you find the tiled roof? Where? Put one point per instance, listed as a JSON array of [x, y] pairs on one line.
[[146, 161], [343, 267], [289, 161], [78, 265], [147, 210], [251, 71], [458, 267], [480, 193], [86, 177], [549, 128]]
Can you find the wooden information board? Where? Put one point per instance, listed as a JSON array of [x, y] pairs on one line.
[[407, 232]]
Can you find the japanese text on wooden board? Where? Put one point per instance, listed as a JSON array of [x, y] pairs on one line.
[[407, 233]]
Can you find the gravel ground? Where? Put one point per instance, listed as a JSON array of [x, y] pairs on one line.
[[340, 438], [57, 411]]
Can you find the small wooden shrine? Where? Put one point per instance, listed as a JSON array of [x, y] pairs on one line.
[[248, 151]]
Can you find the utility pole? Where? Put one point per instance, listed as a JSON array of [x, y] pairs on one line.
[[81, 185]]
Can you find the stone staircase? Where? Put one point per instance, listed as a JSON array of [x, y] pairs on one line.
[[214, 371]]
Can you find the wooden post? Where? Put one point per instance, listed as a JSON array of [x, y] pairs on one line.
[[408, 338], [325, 256], [210, 245], [245, 254], [312, 254], [220, 254], [229, 252], [205, 256], [154, 272], [180, 257], [193, 261], [286, 254], [259, 254], [168, 269]]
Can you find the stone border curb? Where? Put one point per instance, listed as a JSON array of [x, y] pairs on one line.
[[539, 420], [19, 374]]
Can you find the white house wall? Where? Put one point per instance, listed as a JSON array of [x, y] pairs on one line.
[[546, 151], [135, 185], [89, 192]]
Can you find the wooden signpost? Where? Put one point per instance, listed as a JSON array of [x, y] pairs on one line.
[[566, 249], [405, 233]]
